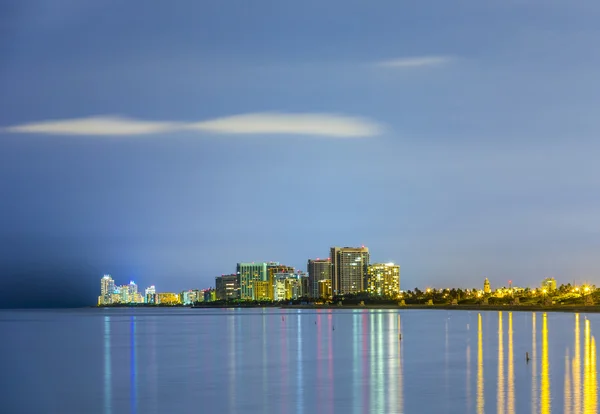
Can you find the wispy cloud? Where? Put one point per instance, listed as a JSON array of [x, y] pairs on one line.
[[416, 61], [97, 125], [302, 124], [327, 125]]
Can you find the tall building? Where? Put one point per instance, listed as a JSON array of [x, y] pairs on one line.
[[318, 270], [132, 290], [349, 269], [107, 289], [150, 294], [227, 287], [384, 279], [250, 272]]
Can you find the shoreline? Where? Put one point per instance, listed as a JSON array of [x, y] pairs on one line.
[[511, 308]]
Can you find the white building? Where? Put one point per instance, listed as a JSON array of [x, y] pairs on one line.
[[107, 289]]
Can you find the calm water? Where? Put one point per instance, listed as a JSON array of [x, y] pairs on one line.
[[273, 361]]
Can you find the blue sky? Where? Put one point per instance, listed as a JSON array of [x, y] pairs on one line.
[[166, 141]]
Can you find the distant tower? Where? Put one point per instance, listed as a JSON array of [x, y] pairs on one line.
[[318, 270], [486, 286], [349, 269], [107, 288]]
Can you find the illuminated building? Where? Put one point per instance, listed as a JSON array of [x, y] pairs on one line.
[[349, 269], [189, 297], [549, 284], [318, 270], [262, 290], [107, 289], [486, 286], [123, 292], [250, 272], [384, 279], [275, 273], [227, 287], [150, 294], [324, 287], [287, 286], [167, 298], [210, 295]]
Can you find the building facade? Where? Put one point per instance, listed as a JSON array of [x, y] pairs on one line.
[[384, 279], [250, 272], [167, 298], [150, 295], [227, 287], [318, 270], [107, 290], [349, 269]]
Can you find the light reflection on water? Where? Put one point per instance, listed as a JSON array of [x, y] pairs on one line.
[[330, 361]]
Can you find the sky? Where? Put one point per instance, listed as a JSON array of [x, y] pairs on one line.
[[163, 142]]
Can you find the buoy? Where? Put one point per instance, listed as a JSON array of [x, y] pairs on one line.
[[527, 356]]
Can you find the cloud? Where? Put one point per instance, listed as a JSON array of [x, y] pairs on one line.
[[328, 125], [301, 124], [97, 125], [412, 62]]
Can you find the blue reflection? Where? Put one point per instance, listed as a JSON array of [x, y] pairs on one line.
[[400, 386], [232, 361], [107, 366], [133, 367], [356, 361], [299, 373]]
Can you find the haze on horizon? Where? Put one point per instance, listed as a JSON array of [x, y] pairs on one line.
[[164, 143]]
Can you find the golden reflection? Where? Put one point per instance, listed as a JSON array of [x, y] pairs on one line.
[[468, 388], [576, 369], [568, 401], [480, 398], [593, 381], [510, 404], [545, 374], [589, 373], [400, 395], [533, 364], [107, 367], [500, 397]]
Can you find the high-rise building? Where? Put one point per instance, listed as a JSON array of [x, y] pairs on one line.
[[349, 269], [107, 289], [227, 287], [250, 272], [132, 291], [150, 294], [318, 270], [384, 279]]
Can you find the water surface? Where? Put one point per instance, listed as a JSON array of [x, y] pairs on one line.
[[297, 361]]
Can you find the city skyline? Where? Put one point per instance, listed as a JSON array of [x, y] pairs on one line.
[[460, 147]]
